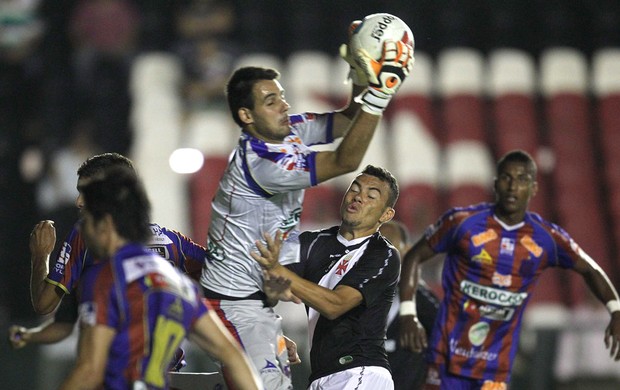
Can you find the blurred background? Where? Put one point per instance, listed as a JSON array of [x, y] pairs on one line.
[[146, 77]]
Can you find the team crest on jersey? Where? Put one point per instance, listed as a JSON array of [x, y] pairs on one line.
[[483, 257], [484, 237], [507, 246], [501, 280], [343, 265], [532, 247]]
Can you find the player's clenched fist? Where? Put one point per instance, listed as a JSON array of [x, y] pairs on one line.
[[386, 75]]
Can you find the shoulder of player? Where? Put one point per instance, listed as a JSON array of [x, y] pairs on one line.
[[553, 230], [311, 235]]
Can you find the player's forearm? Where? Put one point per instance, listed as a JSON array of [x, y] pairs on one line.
[[349, 154], [38, 273], [409, 279], [411, 269], [600, 285], [327, 302], [50, 333], [351, 109]]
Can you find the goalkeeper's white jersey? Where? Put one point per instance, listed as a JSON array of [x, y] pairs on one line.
[[262, 190]]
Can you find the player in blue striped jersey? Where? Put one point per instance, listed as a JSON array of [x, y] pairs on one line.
[[495, 254], [135, 307]]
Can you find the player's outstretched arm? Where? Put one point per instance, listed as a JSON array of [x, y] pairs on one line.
[[600, 285], [211, 335], [48, 333], [412, 333], [385, 78], [329, 303], [44, 296]]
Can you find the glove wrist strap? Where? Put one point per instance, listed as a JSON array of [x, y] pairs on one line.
[[373, 101]]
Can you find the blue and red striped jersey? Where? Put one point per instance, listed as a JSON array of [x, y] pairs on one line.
[[489, 272], [73, 257], [150, 305]]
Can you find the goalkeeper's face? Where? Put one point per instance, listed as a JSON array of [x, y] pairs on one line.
[[268, 120]]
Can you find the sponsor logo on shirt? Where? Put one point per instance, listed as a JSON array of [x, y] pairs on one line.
[[290, 222], [159, 250], [478, 333], [494, 296], [491, 312], [471, 352], [501, 280], [531, 246], [269, 367], [507, 246], [484, 237], [214, 252], [483, 257], [65, 253]]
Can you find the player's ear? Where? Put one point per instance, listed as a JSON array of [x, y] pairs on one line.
[[246, 116], [387, 215], [534, 188]]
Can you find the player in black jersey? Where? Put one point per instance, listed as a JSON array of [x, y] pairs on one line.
[[346, 277]]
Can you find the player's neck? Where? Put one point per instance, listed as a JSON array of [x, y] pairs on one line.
[[350, 234]]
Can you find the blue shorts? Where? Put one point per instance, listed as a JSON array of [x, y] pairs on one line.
[[439, 378]]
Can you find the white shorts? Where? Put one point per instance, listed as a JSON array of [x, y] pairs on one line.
[[357, 378], [260, 331]]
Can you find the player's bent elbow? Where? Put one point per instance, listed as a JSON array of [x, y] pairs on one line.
[[42, 308], [333, 312]]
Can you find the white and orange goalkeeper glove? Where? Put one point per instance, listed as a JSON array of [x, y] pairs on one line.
[[385, 76]]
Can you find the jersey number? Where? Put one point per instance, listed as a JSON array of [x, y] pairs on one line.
[[166, 337]]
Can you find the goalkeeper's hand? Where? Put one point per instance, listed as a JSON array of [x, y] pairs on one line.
[[386, 75], [356, 74]]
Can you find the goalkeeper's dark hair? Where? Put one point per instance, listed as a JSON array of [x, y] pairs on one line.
[[240, 85], [385, 176], [120, 194], [98, 164], [519, 156]]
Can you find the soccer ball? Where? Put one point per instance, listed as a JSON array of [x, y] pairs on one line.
[[375, 29]]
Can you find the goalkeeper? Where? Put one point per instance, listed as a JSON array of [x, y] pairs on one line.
[[262, 189]]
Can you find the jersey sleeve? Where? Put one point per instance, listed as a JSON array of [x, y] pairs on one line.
[[68, 266], [567, 250], [190, 257], [441, 233], [377, 269], [314, 129], [275, 168]]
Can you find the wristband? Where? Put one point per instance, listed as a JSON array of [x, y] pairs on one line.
[[613, 306], [407, 308]]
